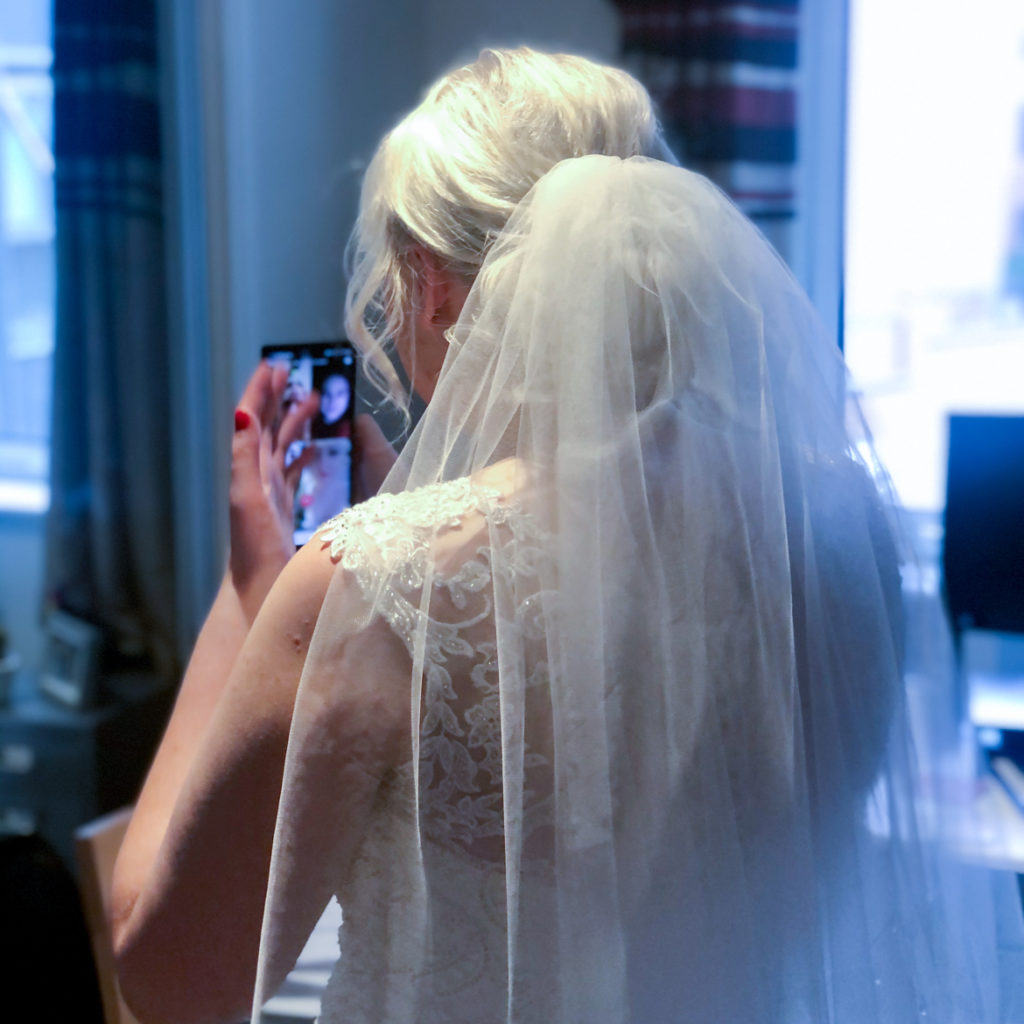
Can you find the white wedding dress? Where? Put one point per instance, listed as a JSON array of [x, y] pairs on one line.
[[396, 538], [638, 584]]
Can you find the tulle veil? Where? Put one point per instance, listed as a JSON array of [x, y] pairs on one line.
[[708, 806]]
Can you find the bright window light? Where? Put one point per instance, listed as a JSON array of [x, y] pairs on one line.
[[27, 274], [934, 294]]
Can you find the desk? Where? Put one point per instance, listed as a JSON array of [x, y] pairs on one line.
[[993, 834]]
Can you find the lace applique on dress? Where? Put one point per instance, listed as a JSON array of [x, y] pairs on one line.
[[389, 546], [386, 544]]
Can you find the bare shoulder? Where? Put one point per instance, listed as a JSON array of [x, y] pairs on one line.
[[293, 605]]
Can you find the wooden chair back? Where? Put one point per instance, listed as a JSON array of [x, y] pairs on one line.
[[96, 846]]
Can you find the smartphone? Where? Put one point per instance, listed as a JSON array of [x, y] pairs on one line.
[[325, 484]]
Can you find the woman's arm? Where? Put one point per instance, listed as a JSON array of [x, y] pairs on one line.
[[191, 876], [214, 656], [261, 545], [187, 904]]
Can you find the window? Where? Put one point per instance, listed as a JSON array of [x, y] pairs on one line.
[[934, 290], [934, 297], [27, 273]]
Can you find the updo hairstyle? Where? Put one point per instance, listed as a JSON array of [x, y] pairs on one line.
[[450, 174]]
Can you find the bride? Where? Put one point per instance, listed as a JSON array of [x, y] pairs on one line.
[[595, 712]]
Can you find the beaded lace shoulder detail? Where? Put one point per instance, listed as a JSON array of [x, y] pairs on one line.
[[389, 545], [387, 541], [426, 508]]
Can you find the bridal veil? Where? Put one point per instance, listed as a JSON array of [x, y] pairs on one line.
[[637, 579]]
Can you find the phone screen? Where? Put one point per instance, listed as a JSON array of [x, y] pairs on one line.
[[325, 484]]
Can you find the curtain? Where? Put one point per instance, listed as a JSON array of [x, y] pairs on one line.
[[109, 554], [724, 77]]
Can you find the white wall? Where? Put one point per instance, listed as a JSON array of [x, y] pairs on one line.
[[456, 30], [816, 254], [309, 89], [277, 108]]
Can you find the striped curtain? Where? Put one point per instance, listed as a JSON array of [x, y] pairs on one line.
[[723, 75], [110, 534]]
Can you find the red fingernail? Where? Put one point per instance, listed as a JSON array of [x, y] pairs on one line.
[[242, 419]]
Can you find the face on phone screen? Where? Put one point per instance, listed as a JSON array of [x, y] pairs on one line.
[[325, 483]]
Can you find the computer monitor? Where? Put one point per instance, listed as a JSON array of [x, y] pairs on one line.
[[983, 548]]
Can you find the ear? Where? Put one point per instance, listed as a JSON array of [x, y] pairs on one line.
[[438, 294]]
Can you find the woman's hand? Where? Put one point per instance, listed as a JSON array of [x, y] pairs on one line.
[[374, 457], [262, 489]]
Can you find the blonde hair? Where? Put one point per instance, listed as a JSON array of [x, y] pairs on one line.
[[449, 175]]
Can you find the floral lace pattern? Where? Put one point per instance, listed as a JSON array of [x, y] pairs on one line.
[[389, 545]]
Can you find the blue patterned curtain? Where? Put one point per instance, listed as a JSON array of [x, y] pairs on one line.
[[110, 532], [724, 78]]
